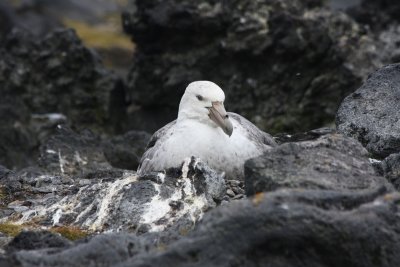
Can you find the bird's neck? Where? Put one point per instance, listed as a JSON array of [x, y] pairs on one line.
[[184, 117]]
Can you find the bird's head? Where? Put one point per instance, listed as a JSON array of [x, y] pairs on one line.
[[204, 101]]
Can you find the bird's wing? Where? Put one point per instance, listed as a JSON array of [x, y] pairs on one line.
[[252, 131], [157, 138]]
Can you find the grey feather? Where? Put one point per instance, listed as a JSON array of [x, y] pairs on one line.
[[253, 133], [158, 137]]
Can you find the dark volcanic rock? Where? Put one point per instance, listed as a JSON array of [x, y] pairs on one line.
[[3, 172], [377, 14], [18, 143], [109, 199], [305, 136], [57, 74], [125, 151], [283, 228], [30, 15], [371, 114], [283, 66], [390, 43], [51, 80], [334, 206], [290, 228], [382, 17], [332, 162], [37, 240], [70, 153], [7, 19], [390, 168], [103, 250]]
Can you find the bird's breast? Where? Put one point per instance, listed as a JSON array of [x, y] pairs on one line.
[[211, 145]]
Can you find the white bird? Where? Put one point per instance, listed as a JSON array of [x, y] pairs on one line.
[[224, 141]]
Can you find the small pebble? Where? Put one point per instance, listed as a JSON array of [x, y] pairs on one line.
[[235, 189], [238, 196], [230, 193], [83, 182], [240, 191], [234, 182]]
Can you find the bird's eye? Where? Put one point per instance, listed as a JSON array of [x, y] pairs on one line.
[[199, 97]]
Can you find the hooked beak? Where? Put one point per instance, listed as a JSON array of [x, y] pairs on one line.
[[220, 117]]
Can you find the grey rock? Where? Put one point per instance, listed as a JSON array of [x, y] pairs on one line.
[[383, 20], [86, 153], [304, 136], [110, 249], [377, 14], [124, 151], [238, 190], [343, 4], [235, 190], [390, 168], [28, 15], [267, 230], [33, 240], [290, 228], [47, 67], [230, 193], [3, 172], [112, 200], [50, 80], [337, 208], [18, 143], [238, 196], [371, 113], [389, 42], [285, 65], [234, 182], [331, 162], [7, 19], [69, 153], [4, 240]]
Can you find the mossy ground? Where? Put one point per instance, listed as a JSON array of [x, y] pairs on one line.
[[69, 232], [102, 36], [10, 229]]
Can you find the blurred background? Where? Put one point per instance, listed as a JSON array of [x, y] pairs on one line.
[[118, 68]]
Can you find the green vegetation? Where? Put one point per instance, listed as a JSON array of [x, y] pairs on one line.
[[10, 229], [69, 232]]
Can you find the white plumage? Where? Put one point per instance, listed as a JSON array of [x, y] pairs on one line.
[[205, 130]]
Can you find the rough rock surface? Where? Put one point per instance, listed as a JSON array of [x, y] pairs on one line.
[[283, 65], [37, 240], [57, 74], [115, 200], [332, 162], [284, 228], [70, 153], [323, 200], [303, 136], [314, 201], [289, 229], [110, 249], [76, 188], [377, 14], [371, 113], [383, 19], [125, 151], [390, 168], [47, 81]]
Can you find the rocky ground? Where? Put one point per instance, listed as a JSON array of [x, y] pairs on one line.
[[72, 133]]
